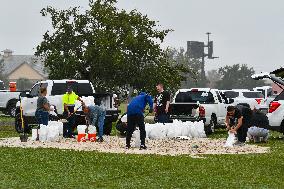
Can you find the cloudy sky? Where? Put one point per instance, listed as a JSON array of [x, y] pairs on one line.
[[244, 31]]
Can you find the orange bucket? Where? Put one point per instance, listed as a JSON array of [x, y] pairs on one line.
[[92, 137], [13, 86], [81, 138]]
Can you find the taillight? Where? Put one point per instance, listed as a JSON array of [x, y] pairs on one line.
[[258, 100], [194, 90], [273, 106], [201, 111]]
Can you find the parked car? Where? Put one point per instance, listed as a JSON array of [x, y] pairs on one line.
[[276, 108], [269, 96], [55, 91], [195, 104], [241, 96], [8, 100]]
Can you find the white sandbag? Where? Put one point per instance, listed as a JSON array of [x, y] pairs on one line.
[[53, 133], [200, 129], [136, 135], [194, 130], [159, 131], [43, 131], [34, 134], [124, 119], [92, 129], [148, 129], [87, 100], [81, 129], [60, 128], [58, 125], [184, 130], [230, 140]]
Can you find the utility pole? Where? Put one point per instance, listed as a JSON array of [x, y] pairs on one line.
[[195, 50]]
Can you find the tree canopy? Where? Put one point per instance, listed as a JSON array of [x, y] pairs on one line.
[[112, 48], [237, 77]]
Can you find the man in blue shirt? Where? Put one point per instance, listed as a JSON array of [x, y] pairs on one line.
[[96, 114], [135, 116]]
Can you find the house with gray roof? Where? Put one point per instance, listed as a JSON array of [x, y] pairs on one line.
[[22, 66]]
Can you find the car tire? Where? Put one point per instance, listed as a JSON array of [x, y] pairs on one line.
[[107, 128], [18, 124], [282, 127], [11, 108], [209, 129]]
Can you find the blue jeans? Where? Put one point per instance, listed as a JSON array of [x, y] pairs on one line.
[[163, 118], [42, 117], [101, 121]]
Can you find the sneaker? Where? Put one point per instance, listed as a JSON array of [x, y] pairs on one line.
[[127, 147], [143, 147], [100, 139]]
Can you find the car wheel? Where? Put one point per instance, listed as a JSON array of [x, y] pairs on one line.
[[18, 124], [11, 109], [282, 127], [107, 128]]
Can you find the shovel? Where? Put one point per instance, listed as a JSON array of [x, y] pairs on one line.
[[23, 135], [66, 120]]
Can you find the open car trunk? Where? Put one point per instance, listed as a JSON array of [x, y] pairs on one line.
[[184, 111]]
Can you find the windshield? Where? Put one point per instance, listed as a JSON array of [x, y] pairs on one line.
[[194, 96]]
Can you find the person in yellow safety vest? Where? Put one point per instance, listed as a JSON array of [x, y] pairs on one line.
[[69, 99]]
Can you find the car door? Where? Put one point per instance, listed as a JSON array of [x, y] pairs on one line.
[[222, 108]]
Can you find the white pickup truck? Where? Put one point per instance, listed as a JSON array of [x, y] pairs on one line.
[[55, 91], [195, 104], [8, 100]]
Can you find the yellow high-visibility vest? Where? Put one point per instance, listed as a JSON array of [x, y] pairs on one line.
[[70, 99]]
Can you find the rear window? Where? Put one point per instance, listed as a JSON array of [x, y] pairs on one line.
[[231, 94], [253, 95], [194, 96], [79, 88]]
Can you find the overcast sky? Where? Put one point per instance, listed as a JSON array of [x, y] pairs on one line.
[[244, 31]]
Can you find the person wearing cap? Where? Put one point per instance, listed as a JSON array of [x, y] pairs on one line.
[[135, 116], [69, 99]]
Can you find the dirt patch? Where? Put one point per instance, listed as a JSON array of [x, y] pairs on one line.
[[114, 144]]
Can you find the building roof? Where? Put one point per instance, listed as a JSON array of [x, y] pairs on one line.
[[11, 63]]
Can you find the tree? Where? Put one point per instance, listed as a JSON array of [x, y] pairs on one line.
[[113, 48], [213, 76], [3, 76], [237, 76], [192, 76]]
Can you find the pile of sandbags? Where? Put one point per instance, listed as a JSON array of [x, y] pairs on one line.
[[50, 132], [87, 100], [175, 129]]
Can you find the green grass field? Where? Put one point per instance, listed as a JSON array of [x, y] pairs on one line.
[[52, 168]]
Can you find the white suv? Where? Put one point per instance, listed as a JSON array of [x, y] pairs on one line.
[[276, 108], [253, 98]]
